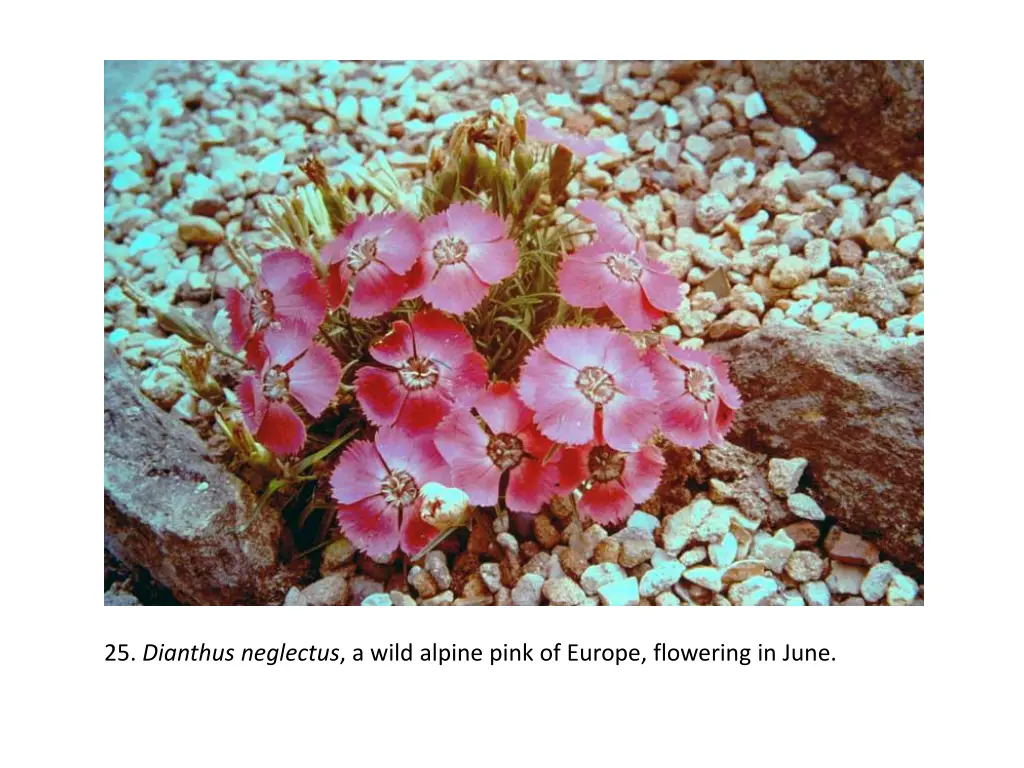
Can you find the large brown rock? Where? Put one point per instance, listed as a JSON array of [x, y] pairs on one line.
[[854, 411], [170, 510], [871, 112]]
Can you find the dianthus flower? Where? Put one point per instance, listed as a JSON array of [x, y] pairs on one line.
[[377, 255], [580, 377], [466, 250], [289, 367], [615, 272], [287, 290], [613, 482], [580, 145], [429, 368], [502, 440], [377, 486], [698, 401]]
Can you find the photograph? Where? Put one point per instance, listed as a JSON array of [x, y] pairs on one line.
[[513, 333]]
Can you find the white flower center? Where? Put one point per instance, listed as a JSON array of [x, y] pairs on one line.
[[624, 266], [418, 373], [399, 489], [361, 254], [596, 384], [275, 384], [450, 250]]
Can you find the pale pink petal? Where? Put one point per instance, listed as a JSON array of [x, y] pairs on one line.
[[642, 473], [628, 422], [376, 290], [380, 395], [684, 422], [358, 473], [441, 338], [286, 341], [282, 431], [238, 307], [371, 525], [455, 288], [632, 377], [279, 268], [662, 290], [416, 534], [612, 232], [400, 240], [569, 420], [579, 347], [626, 300], [671, 381], [460, 434], [584, 283], [314, 379], [395, 347], [434, 228], [416, 455], [580, 145], [477, 476], [502, 409], [605, 503], [493, 262], [336, 251], [547, 382], [689, 356], [252, 401], [725, 388], [530, 486], [720, 418], [472, 224]]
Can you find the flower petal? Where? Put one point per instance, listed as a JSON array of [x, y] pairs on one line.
[[472, 224], [477, 476], [628, 422], [416, 534], [395, 347], [612, 231], [493, 262], [632, 377], [399, 239], [376, 290], [605, 503], [642, 473], [286, 341], [301, 299], [252, 401], [455, 288], [422, 411], [502, 409], [530, 486], [584, 283], [380, 395], [336, 285], [724, 387], [279, 268], [579, 347], [460, 435], [685, 422], [572, 468], [371, 525], [441, 338], [282, 431], [626, 300], [358, 473], [238, 307], [314, 379], [663, 291], [580, 145], [417, 456]]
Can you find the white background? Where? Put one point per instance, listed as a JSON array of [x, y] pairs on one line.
[[908, 687]]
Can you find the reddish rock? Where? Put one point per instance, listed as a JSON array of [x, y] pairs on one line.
[[804, 533], [871, 112], [850, 548]]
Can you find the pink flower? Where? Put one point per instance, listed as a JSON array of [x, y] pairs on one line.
[[580, 145], [429, 368], [465, 251], [614, 483], [615, 272], [503, 440], [290, 368], [377, 485], [580, 374], [378, 257], [698, 402], [287, 290]]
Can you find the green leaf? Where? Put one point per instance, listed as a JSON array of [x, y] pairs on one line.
[[323, 453], [518, 325]]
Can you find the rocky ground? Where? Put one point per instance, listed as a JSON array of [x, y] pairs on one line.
[[804, 268]]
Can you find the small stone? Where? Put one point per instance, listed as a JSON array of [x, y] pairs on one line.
[[436, 564], [742, 570], [445, 598], [714, 527], [572, 562], [624, 592], [850, 548], [733, 325], [645, 111], [660, 578], [330, 590], [667, 599], [804, 565], [803, 506], [200, 230], [637, 546], [902, 590], [753, 591], [705, 576], [723, 553], [378, 599], [711, 209], [128, 181], [596, 576], [774, 550], [803, 534], [876, 582], [644, 521], [754, 106], [545, 532], [607, 551], [797, 143], [863, 327], [694, 556], [628, 180], [563, 591], [528, 590], [336, 554], [845, 579], [784, 475], [816, 593], [910, 244], [903, 188], [882, 234], [348, 109], [295, 598], [790, 271], [491, 575], [916, 324], [422, 582]]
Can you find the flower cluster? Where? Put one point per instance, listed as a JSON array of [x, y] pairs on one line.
[[568, 398]]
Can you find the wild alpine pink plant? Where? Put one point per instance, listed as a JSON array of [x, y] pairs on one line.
[[376, 485], [579, 145], [377, 256], [615, 272], [614, 483], [289, 367], [585, 382], [697, 400], [501, 440], [428, 368], [287, 290], [466, 250]]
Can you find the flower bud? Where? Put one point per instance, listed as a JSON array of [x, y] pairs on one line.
[[443, 507], [560, 171]]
